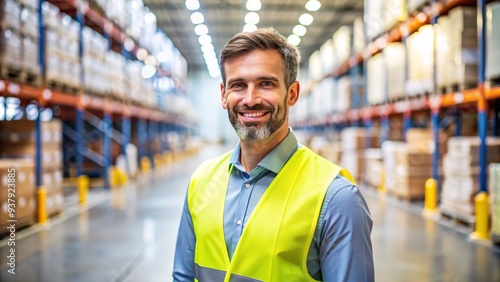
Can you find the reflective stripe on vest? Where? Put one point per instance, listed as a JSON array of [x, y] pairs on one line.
[[207, 274], [276, 239]]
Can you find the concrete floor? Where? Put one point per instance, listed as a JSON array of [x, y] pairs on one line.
[[129, 234]]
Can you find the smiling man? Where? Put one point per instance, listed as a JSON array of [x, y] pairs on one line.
[[270, 209]]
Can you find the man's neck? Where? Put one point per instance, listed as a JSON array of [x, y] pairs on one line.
[[254, 152]]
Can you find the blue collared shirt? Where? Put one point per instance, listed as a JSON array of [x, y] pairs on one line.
[[341, 248]]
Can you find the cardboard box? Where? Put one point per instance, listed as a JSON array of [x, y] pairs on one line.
[[24, 176]]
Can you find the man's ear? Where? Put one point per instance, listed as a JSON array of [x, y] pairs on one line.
[[293, 93], [223, 96]]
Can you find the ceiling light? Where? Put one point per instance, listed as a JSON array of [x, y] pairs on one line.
[[293, 39], [211, 60], [252, 18], [128, 44], [192, 5], [205, 39], [207, 48], [200, 29], [141, 54], [197, 18], [148, 71], [249, 27], [313, 5], [299, 30], [214, 72], [306, 19], [253, 5]]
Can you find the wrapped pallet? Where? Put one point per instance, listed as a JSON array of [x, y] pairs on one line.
[[374, 18], [461, 170], [493, 41], [396, 69], [374, 166], [494, 191], [354, 141], [420, 50], [376, 80]]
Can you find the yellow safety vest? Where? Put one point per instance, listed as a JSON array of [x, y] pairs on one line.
[[275, 241]]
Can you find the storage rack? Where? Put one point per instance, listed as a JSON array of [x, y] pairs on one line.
[[112, 119], [483, 94]]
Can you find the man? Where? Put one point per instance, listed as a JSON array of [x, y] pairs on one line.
[[271, 209]]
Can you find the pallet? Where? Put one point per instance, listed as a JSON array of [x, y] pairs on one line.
[[495, 81], [60, 86], [11, 73], [495, 238], [21, 224], [457, 218], [456, 87]]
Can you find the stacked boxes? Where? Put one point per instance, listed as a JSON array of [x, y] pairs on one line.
[[94, 51], [353, 143], [20, 173], [29, 32], [493, 41], [17, 140], [461, 170], [374, 166], [62, 63], [494, 191], [456, 49], [406, 169], [10, 37]]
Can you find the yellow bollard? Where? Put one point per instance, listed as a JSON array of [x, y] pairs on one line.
[[83, 187], [145, 165], [431, 195], [482, 231], [381, 187], [41, 196]]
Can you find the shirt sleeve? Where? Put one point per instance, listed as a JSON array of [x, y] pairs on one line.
[[345, 250], [184, 250]]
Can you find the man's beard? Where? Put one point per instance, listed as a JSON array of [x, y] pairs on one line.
[[251, 131]]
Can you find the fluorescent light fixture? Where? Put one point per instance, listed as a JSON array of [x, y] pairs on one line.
[[162, 57], [207, 48], [313, 5], [149, 18], [253, 5], [214, 72], [209, 54], [141, 54], [306, 19], [192, 5], [249, 27], [150, 60], [205, 39], [293, 39], [299, 30], [252, 18], [211, 60], [148, 71], [201, 29], [197, 18]]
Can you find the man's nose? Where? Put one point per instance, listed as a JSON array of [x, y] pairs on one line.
[[252, 96]]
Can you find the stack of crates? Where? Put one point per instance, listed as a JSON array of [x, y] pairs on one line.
[[62, 61], [94, 52], [494, 191], [456, 50], [17, 141], [420, 50], [396, 70], [376, 80], [461, 170]]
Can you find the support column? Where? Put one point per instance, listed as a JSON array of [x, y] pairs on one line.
[[108, 158]]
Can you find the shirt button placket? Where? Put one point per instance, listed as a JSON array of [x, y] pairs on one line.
[[248, 185], [238, 222]]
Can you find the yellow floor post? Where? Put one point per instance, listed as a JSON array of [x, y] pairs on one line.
[[83, 187], [482, 230], [145, 165], [382, 187], [431, 195], [41, 195]]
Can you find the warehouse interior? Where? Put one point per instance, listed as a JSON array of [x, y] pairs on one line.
[[107, 108]]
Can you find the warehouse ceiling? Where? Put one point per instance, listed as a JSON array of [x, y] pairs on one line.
[[224, 18]]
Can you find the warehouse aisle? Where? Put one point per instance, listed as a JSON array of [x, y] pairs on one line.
[[129, 235]]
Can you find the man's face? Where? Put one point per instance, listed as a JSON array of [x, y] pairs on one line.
[[256, 96]]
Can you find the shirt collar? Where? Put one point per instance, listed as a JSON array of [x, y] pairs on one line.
[[276, 159]]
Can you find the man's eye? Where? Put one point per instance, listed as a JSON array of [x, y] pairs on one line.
[[267, 83], [238, 85]]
